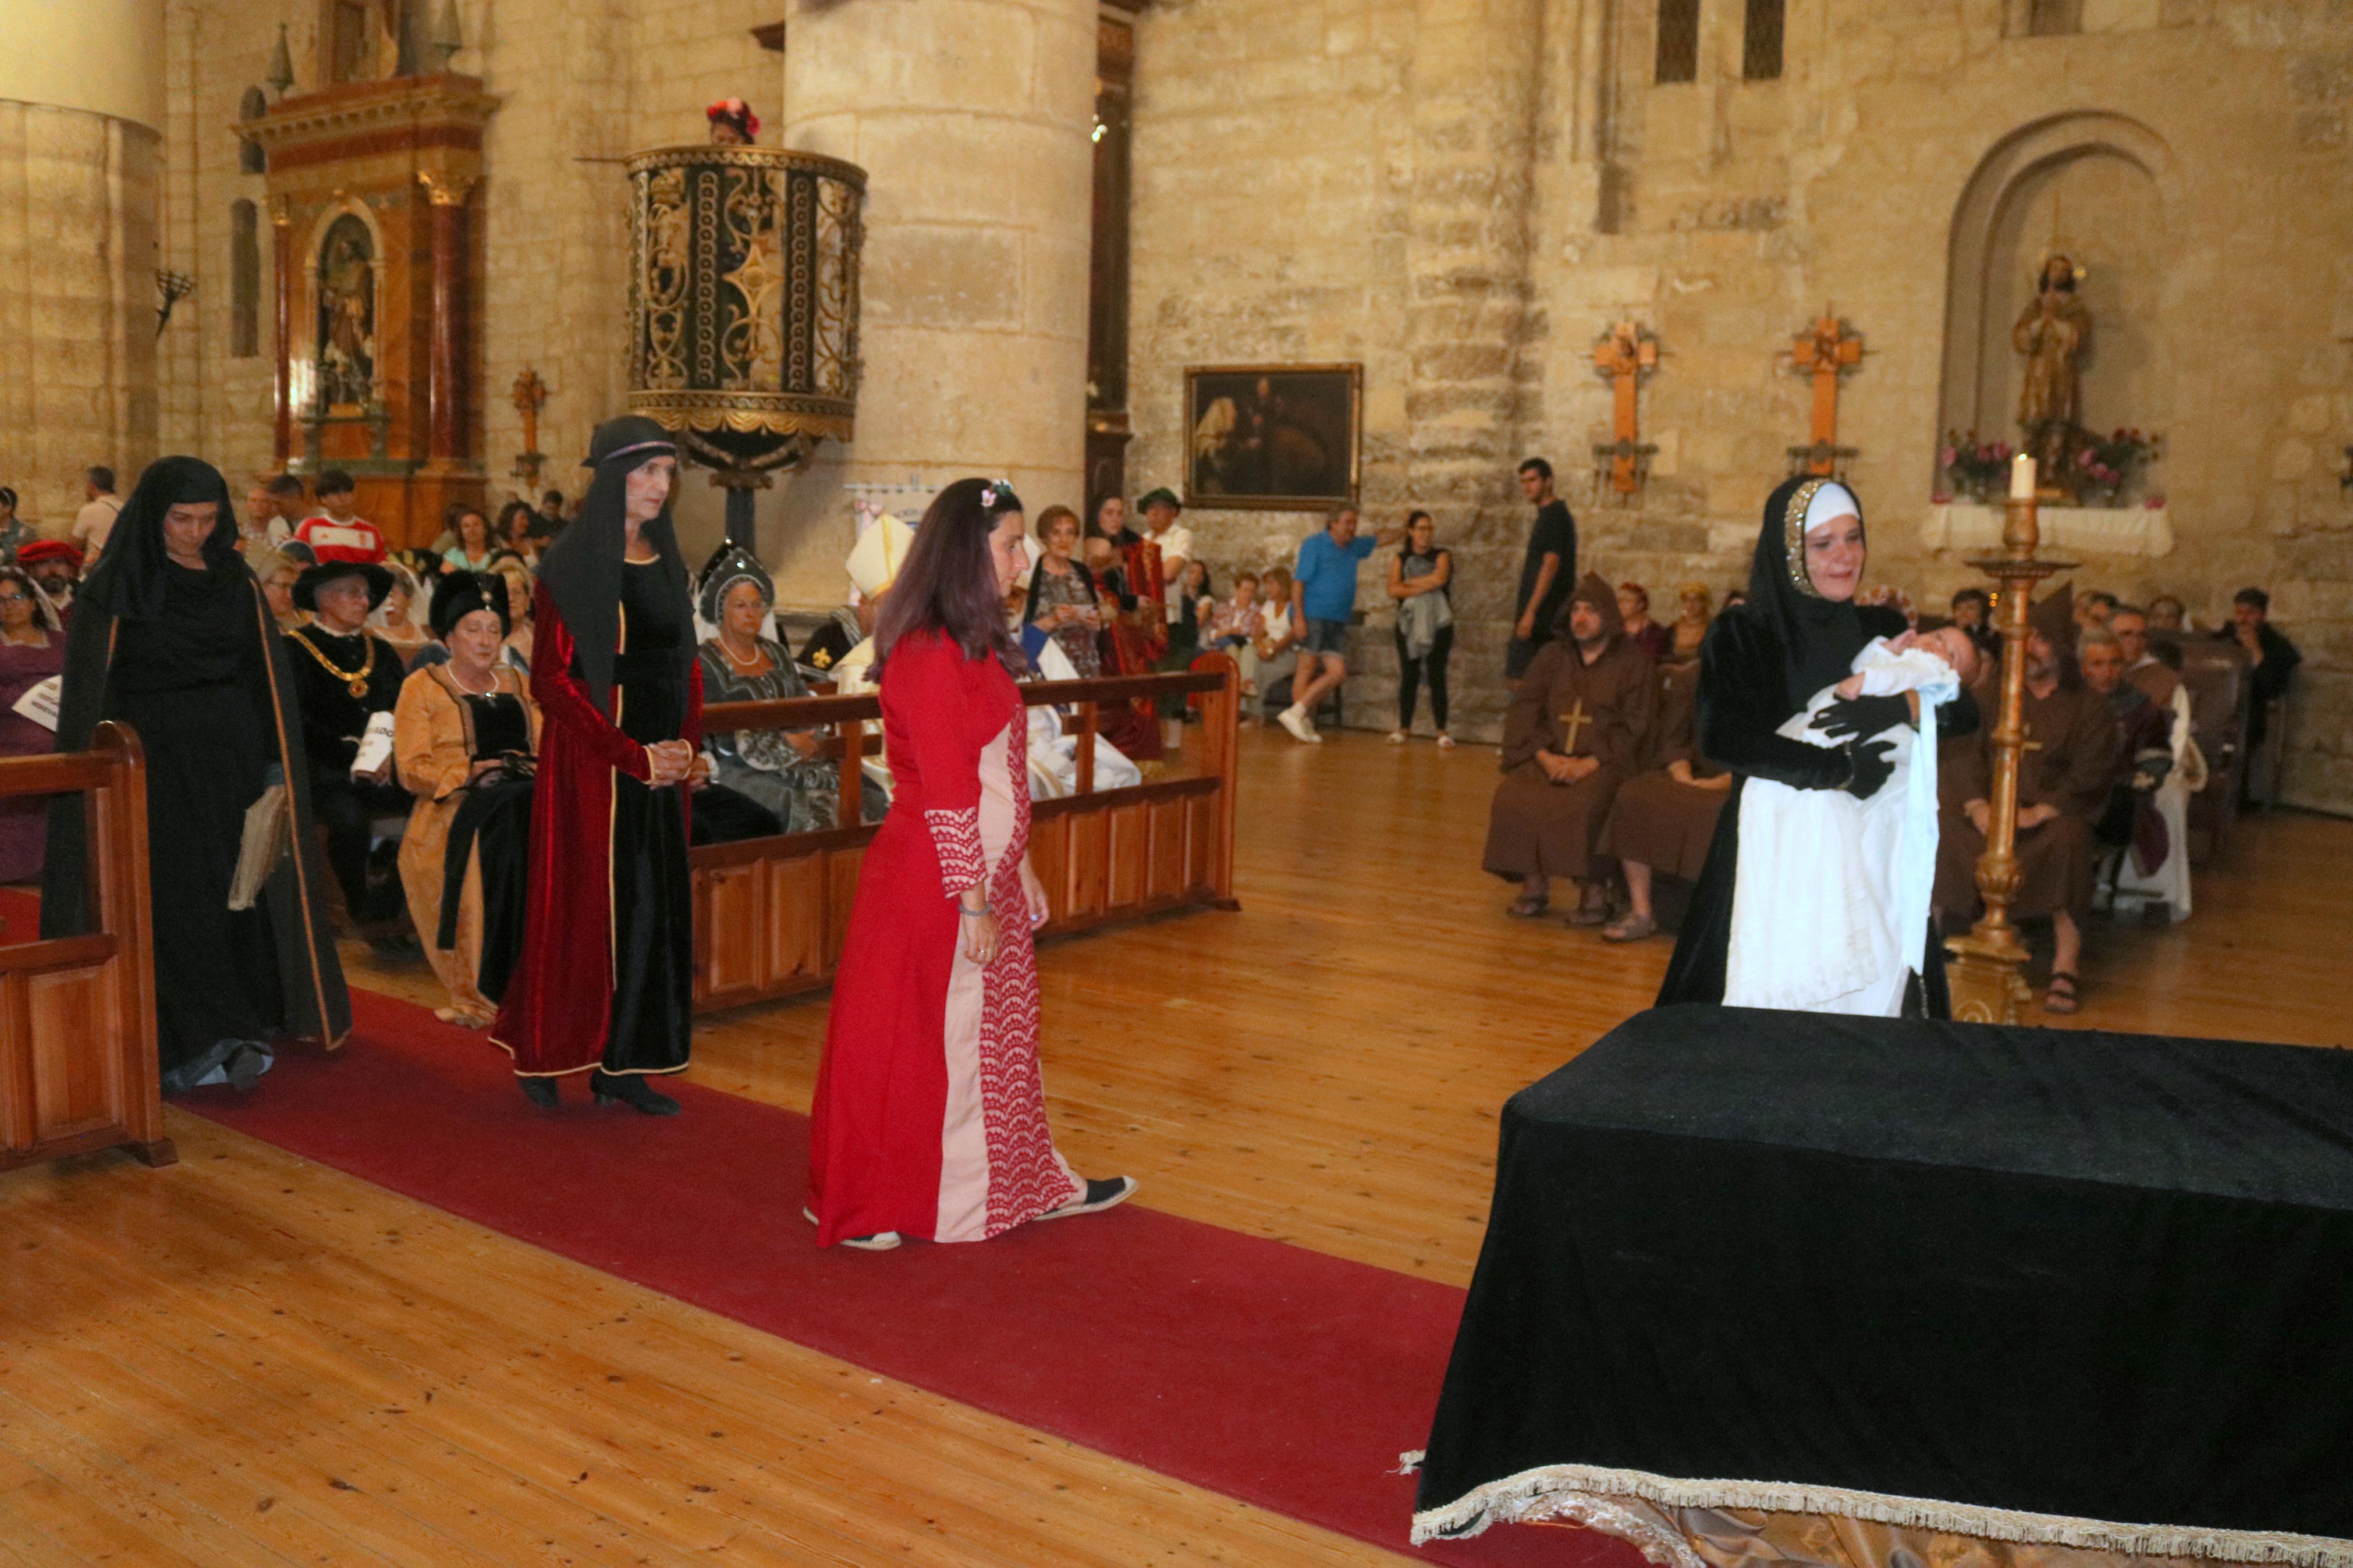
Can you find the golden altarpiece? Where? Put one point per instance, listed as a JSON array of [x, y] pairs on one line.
[[372, 186]]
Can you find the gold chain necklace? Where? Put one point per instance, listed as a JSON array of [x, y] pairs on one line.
[[356, 681]]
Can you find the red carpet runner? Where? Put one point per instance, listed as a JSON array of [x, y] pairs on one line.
[[1281, 1376], [1265, 1372]]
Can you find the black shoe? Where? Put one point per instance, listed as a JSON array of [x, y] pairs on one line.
[[632, 1090], [399, 946], [540, 1092], [1101, 1194], [246, 1065]]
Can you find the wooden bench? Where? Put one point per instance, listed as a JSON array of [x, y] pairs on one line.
[[78, 1066], [770, 913]]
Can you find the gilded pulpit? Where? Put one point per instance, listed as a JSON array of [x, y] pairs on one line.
[[372, 191]]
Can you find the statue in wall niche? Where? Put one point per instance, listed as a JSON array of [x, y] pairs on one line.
[[346, 348], [2053, 333]]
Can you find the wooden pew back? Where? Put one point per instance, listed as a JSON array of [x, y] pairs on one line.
[[78, 1065], [770, 913]]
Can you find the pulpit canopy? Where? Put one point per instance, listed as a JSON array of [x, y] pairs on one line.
[[744, 301]]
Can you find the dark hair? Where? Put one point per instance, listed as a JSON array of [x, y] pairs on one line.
[[45, 615], [949, 584], [2101, 597], [1337, 512], [7, 497], [509, 512], [1978, 594], [555, 496], [1537, 467], [331, 482], [1418, 515], [1054, 514], [457, 511], [103, 478], [2254, 596], [283, 485]]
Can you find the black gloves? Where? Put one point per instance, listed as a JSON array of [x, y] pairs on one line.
[[1861, 716], [1869, 765]]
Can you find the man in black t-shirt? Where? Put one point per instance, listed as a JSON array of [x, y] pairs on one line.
[[1547, 574]]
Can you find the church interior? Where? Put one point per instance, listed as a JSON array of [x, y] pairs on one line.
[[1387, 996]]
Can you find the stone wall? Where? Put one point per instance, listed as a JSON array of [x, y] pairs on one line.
[[1328, 180]]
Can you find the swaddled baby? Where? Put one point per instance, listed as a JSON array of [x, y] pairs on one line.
[[1854, 952]]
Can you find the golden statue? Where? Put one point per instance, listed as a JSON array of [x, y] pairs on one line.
[[2055, 332]]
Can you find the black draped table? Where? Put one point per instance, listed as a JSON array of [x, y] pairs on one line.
[[2089, 1290]]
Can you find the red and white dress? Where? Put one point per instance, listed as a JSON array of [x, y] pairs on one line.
[[930, 1115]]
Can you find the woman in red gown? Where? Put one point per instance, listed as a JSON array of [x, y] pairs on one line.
[[930, 1115]]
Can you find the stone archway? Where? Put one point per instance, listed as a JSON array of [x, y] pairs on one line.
[[2105, 189]]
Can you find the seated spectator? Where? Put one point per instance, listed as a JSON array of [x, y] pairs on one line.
[[1063, 599], [277, 573], [2166, 613], [347, 681], [1634, 609], [2271, 659], [1269, 662], [512, 572], [1695, 607], [2142, 666], [55, 566], [335, 531], [1575, 730], [398, 620], [1053, 748], [2063, 785], [2093, 609], [469, 532], [464, 732], [550, 520], [2135, 825], [1972, 611], [15, 531], [786, 771], [1663, 820], [32, 650], [1234, 620], [264, 521]]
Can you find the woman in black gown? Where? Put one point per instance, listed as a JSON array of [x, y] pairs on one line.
[[1763, 661], [171, 635], [604, 983]]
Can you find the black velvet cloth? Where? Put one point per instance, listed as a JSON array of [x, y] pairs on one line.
[[2100, 1276], [653, 915], [495, 816]]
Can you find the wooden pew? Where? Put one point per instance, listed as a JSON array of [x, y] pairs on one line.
[[78, 1066], [769, 913]]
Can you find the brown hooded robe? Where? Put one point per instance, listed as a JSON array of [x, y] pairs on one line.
[[1657, 821], [1537, 825]]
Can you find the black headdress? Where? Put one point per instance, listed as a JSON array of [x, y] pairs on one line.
[[129, 580], [733, 565], [1819, 637], [582, 570], [314, 578], [463, 593]]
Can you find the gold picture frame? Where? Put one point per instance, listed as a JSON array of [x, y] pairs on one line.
[[1273, 438]]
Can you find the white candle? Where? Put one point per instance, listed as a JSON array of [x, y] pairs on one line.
[[2021, 477]]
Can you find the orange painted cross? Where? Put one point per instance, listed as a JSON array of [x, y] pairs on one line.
[[1826, 351], [1624, 356]]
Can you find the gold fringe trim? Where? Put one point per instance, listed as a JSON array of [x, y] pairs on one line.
[[1582, 1493]]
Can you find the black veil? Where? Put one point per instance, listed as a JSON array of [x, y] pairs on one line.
[[582, 570], [1818, 637], [129, 580]]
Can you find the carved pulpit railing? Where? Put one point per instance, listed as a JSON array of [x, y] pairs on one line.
[[1989, 985]]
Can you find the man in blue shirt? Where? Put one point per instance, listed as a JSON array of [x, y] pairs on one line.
[[1323, 599]]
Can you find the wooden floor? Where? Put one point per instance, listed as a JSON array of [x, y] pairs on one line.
[[247, 1358]]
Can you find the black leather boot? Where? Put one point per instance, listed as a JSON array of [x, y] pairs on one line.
[[632, 1090]]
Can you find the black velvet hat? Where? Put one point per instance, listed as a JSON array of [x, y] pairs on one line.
[[314, 578]]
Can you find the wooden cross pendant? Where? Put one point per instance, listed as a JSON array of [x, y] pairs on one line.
[[1826, 351], [1624, 354], [1571, 722]]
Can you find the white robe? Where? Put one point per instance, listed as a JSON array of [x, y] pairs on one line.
[[1830, 897], [2170, 881]]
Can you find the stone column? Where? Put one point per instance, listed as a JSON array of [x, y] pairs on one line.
[[1474, 90], [973, 120], [81, 171]]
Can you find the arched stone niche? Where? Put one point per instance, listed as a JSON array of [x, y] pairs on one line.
[[2102, 189]]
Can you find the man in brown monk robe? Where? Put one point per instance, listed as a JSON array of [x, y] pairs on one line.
[[2155, 677], [2063, 776], [1663, 820], [1576, 727]]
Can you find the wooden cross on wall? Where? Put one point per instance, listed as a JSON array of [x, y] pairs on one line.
[[1624, 356], [1825, 351]]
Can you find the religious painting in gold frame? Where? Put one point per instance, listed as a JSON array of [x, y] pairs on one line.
[[1273, 438]]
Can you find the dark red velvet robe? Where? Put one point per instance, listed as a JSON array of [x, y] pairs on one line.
[[558, 1005]]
